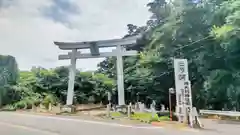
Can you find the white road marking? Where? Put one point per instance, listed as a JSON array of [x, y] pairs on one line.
[[28, 128], [88, 121]]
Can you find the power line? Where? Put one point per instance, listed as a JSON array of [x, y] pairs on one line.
[[202, 39]]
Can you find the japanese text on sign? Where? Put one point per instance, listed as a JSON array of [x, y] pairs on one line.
[[181, 71], [181, 67], [187, 93]]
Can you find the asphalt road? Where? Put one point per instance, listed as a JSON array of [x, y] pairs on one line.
[[24, 124]]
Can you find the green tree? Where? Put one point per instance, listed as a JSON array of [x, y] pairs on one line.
[[8, 75]]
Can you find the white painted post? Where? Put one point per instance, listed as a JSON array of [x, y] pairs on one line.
[[181, 76], [120, 79], [72, 72]]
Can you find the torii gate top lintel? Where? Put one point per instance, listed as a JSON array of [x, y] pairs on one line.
[[99, 43]]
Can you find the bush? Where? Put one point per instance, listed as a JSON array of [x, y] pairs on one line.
[[20, 104], [9, 108], [26, 103], [49, 98]]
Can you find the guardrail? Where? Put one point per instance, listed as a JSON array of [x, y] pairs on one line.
[[223, 113]]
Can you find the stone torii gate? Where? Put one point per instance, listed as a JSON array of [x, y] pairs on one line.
[[94, 46]]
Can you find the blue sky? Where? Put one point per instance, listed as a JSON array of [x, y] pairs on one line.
[[29, 27]]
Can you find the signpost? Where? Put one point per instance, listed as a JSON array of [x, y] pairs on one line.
[[94, 48], [183, 90]]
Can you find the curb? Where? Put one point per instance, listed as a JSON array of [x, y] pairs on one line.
[[166, 124], [182, 127], [160, 124]]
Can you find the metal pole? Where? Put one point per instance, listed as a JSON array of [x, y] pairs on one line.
[[72, 72], [109, 104], [170, 106], [120, 79], [171, 90], [1, 97]]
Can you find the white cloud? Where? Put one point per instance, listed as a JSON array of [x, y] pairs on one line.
[[28, 35]]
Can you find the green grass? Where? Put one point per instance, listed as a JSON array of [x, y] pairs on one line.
[[146, 117], [117, 114], [143, 117], [164, 118]]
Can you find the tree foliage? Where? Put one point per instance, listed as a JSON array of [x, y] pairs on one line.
[[206, 32], [50, 86], [8, 75]]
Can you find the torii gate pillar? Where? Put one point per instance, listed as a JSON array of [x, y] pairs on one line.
[[72, 73], [120, 78]]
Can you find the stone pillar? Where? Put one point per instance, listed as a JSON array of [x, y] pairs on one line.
[[109, 104], [162, 108], [129, 110], [72, 72], [108, 110], [120, 79], [141, 107], [50, 107], [153, 110]]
